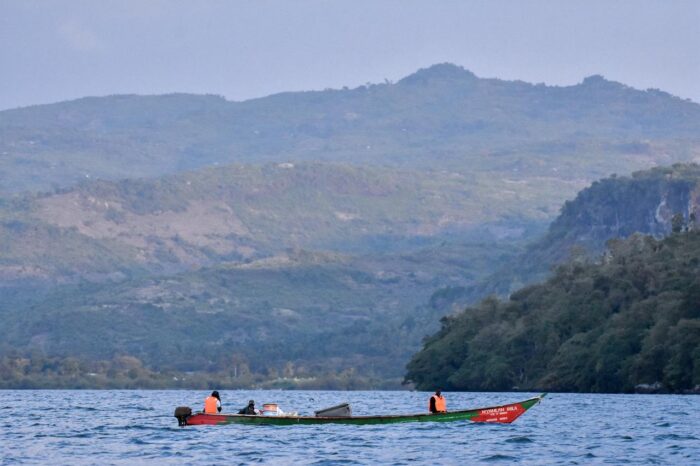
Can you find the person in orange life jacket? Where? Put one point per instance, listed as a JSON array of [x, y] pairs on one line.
[[437, 403], [212, 404]]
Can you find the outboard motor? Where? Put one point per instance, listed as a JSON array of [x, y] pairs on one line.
[[182, 413]]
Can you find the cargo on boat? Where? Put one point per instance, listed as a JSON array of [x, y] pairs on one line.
[[504, 414]]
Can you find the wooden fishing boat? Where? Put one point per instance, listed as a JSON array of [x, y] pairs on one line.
[[504, 414]]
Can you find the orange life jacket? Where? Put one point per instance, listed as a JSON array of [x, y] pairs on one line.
[[440, 404], [210, 405]]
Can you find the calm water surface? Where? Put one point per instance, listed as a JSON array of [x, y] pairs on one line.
[[131, 427]]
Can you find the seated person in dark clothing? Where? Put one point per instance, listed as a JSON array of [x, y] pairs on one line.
[[250, 409]]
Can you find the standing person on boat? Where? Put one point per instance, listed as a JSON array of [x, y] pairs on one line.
[[212, 403], [437, 403], [250, 409]]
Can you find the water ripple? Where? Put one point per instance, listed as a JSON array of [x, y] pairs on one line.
[[521, 439]]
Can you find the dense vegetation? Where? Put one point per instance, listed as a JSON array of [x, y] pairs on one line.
[[38, 371], [630, 319]]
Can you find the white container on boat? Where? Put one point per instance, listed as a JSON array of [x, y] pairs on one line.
[[271, 409]]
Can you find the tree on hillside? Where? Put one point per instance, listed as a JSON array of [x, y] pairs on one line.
[[605, 326]]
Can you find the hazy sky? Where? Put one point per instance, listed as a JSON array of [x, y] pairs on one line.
[[53, 50]]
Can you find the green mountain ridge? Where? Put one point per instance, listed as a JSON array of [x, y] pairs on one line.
[[442, 117]]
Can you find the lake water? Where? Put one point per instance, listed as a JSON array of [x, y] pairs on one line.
[[132, 427]]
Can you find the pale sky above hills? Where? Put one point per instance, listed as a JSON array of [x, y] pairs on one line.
[[57, 50]]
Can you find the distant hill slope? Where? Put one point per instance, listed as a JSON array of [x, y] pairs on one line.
[[442, 117], [104, 230], [631, 319], [614, 207]]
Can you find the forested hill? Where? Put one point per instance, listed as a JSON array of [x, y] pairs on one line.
[[442, 117], [628, 320], [614, 207], [307, 269]]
